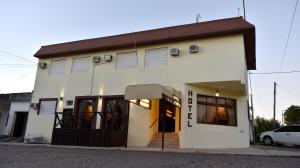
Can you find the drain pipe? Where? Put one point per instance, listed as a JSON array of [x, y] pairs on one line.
[[163, 132], [92, 82]]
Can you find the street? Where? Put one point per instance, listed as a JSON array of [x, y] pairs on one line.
[[50, 157]]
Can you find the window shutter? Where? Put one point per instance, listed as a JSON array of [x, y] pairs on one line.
[[47, 107], [126, 60], [81, 64], [157, 56], [58, 67]]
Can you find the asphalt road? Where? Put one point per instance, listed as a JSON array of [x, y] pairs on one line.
[[50, 157]]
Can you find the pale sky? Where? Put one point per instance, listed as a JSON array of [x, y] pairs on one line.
[[27, 25]]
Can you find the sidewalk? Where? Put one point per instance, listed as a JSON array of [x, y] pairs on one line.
[[251, 151]]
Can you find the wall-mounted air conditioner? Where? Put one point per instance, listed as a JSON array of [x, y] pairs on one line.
[[107, 58], [193, 48], [96, 59], [42, 65], [174, 51]]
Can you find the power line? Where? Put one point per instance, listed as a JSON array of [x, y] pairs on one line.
[[287, 41], [13, 55], [18, 78], [288, 90], [270, 73]]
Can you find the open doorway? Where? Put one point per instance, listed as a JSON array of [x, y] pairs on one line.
[[20, 124], [167, 116]]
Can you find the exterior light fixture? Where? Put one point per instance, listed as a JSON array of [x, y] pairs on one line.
[[176, 101], [61, 98], [217, 93], [145, 103], [133, 101]]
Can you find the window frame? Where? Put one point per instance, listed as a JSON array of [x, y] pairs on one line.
[[65, 68], [47, 99], [130, 67], [216, 105], [155, 65], [89, 65]]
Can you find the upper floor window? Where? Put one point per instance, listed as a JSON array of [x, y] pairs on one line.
[[81, 64], [156, 56], [216, 110], [127, 60], [58, 67]]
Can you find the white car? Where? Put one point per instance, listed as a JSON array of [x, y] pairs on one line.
[[288, 135]]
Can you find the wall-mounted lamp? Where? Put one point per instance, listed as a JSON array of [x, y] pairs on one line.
[[217, 93], [61, 98], [100, 97]]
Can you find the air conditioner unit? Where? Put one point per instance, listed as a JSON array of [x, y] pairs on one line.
[[42, 65], [96, 59], [107, 58], [193, 48], [174, 51], [34, 105]]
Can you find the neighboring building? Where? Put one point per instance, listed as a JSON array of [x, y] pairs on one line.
[[14, 109], [187, 81]]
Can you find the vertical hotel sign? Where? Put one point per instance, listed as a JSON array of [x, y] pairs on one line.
[[190, 105]]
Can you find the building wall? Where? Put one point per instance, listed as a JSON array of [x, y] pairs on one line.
[[153, 119], [218, 59], [4, 110], [14, 107], [214, 136], [138, 128]]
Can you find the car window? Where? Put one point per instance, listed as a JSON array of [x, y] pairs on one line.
[[295, 128], [284, 129]]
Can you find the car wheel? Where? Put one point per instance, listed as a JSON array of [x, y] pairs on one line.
[[267, 140]]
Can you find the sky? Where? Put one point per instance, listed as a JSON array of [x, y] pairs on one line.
[[27, 25]]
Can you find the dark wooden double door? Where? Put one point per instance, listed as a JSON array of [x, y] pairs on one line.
[[115, 120], [84, 130]]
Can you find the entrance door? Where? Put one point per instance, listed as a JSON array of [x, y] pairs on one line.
[[20, 124], [115, 120], [166, 116], [85, 111]]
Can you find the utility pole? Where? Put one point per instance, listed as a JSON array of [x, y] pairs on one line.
[[274, 108], [244, 9]]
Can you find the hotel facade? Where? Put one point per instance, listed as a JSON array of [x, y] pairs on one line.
[[176, 87]]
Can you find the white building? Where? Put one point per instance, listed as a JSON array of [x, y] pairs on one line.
[[187, 87], [14, 109]]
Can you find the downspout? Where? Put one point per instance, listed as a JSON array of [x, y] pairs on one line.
[[92, 83]]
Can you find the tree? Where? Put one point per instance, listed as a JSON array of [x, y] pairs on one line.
[[292, 115], [262, 124]]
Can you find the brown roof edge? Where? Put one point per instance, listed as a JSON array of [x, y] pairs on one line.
[[200, 30]]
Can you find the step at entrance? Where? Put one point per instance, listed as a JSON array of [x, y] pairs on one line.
[[171, 140]]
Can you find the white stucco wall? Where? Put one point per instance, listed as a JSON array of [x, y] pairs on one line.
[[214, 136], [138, 132], [218, 59]]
